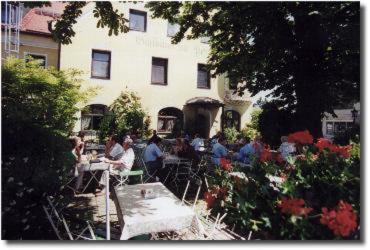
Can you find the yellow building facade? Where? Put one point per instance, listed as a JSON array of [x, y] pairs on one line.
[[170, 79], [37, 46]]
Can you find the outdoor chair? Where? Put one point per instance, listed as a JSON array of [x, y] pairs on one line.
[[92, 179], [57, 221], [183, 172], [122, 176], [147, 175]]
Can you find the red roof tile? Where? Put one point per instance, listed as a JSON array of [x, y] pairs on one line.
[[36, 20]]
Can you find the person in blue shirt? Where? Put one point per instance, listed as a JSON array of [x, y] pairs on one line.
[[219, 150], [244, 154], [153, 156]]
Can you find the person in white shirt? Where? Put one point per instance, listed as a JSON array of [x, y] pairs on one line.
[[198, 143], [286, 148], [116, 151], [124, 163], [113, 149]]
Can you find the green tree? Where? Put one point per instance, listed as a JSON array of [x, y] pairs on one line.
[[307, 53], [126, 115], [38, 108]]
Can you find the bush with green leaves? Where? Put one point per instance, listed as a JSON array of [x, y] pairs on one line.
[[38, 112], [231, 134], [250, 129], [126, 115]]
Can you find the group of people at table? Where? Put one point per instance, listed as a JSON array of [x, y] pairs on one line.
[[121, 156], [244, 150]]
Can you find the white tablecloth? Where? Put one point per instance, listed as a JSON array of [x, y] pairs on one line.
[[142, 216]]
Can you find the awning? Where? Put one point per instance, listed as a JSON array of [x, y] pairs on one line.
[[204, 101]]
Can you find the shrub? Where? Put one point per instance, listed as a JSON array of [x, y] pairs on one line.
[[126, 115], [318, 196], [250, 129], [38, 108], [231, 134]]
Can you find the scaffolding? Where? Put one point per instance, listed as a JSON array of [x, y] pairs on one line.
[[11, 23]]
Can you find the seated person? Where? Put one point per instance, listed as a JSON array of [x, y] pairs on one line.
[[245, 153], [286, 148], [115, 153], [189, 152], [219, 150], [153, 156], [124, 163], [81, 135], [76, 155], [198, 143], [257, 146], [153, 137], [113, 150], [178, 147]]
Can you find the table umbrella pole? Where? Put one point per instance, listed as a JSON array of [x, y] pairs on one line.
[[107, 204]]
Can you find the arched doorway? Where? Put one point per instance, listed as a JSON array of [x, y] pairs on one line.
[[170, 121], [231, 118]]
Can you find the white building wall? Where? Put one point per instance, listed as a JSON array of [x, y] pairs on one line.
[[131, 63]]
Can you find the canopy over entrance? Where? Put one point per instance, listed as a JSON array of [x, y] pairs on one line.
[[204, 101]]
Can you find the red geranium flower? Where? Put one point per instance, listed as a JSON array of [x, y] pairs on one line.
[[225, 164], [323, 143], [342, 221], [210, 199], [301, 137], [266, 155], [342, 150], [294, 206]]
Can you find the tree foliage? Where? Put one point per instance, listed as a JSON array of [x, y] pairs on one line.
[[126, 115], [38, 108], [306, 52]]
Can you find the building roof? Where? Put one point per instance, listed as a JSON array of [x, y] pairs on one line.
[[36, 20]]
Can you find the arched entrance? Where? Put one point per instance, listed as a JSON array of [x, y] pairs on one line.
[[170, 121], [201, 113]]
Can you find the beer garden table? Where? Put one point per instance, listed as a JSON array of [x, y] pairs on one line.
[[164, 213]]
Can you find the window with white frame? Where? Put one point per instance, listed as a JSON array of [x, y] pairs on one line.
[[138, 20], [91, 116], [172, 29], [100, 64], [166, 124], [203, 77], [159, 71]]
